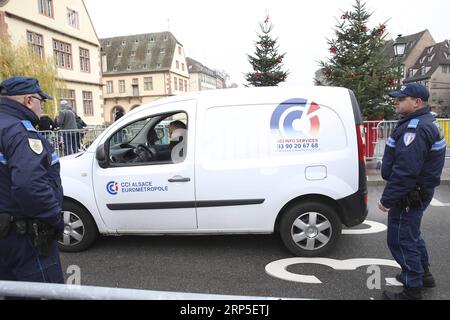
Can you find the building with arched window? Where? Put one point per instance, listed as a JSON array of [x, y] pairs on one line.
[[142, 68]]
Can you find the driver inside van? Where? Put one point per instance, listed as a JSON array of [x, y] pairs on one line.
[[177, 134]]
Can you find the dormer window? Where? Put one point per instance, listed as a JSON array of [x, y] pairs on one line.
[[136, 41], [149, 52], [152, 39], [431, 58], [158, 65], [124, 42], [128, 67], [162, 51], [422, 59], [165, 38], [108, 43], [430, 50], [133, 53], [119, 54]]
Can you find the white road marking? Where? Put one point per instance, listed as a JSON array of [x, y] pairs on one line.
[[375, 227], [278, 269], [436, 203], [393, 282]]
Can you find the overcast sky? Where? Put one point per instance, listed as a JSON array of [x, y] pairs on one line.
[[220, 34]]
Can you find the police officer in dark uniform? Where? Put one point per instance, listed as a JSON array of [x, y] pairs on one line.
[[30, 188], [412, 165]]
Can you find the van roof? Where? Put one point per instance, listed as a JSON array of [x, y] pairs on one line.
[[336, 97]]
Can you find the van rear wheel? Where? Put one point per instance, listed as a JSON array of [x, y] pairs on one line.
[[310, 229], [80, 230]]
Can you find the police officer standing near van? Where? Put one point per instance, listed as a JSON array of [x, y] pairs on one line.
[[412, 165], [30, 188]]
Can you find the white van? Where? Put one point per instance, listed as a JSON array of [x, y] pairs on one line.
[[253, 160]]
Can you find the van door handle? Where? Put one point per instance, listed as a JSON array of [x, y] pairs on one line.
[[179, 179]]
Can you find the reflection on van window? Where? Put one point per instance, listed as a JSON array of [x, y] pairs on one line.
[[159, 139]]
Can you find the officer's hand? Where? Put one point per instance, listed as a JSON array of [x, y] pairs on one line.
[[382, 208]]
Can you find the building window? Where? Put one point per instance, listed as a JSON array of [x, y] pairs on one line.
[[179, 50], [124, 42], [175, 83], [46, 7], [108, 43], [185, 85], [121, 86], [182, 66], [178, 64], [158, 65], [148, 83], [152, 39], [72, 18], [162, 50], [181, 85], [136, 41], [69, 96], [109, 87], [63, 54], [115, 68], [133, 53], [36, 43], [88, 106], [84, 60], [149, 52], [119, 54], [135, 87]]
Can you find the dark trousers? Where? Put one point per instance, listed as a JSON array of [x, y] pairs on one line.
[[19, 261], [406, 244]]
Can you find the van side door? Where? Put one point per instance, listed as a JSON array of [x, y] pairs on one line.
[[147, 184]]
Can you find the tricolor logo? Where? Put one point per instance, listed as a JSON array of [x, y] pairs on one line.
[[408, 138], [112, 187], [296, 117]]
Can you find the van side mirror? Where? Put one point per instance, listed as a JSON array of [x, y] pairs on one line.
[[100, 155]]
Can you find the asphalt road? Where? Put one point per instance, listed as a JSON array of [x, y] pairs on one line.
[[236, 265]]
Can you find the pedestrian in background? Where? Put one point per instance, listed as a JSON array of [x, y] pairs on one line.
[[412, 166], [30, 188], [68, 123], [46, 123]]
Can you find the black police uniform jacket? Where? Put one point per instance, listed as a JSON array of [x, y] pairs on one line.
[[414, 155], [30, 184]]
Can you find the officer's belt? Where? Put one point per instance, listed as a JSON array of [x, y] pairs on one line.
[[21, 226]]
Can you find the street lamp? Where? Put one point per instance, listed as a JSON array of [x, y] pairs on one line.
[[399, 51], [399, 46]]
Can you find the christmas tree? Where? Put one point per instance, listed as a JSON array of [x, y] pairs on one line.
[[357, 62], [267, 63]]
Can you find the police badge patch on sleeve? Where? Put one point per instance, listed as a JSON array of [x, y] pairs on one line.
[[36, 145], [408, 138]]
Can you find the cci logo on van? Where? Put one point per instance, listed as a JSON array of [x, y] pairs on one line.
[[112, 187], [291, 118]]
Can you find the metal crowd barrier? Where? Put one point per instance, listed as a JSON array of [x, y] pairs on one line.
[[67, 142], [377, 133], [78, 292]]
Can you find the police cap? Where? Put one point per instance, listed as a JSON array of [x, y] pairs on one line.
[[17, 86], [413, 90]]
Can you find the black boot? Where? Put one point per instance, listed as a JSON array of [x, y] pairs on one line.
[[406, 294], [427, 279]]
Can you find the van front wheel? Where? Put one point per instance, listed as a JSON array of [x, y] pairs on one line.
[[80, 230], [310, 229]]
